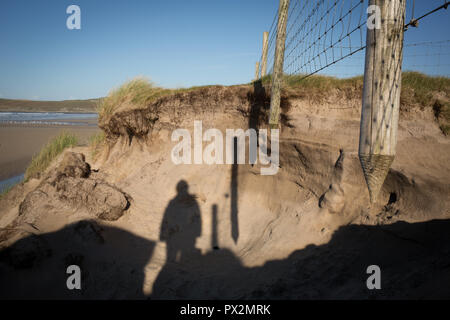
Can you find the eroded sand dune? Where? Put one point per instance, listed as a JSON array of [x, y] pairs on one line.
[[140, 226]]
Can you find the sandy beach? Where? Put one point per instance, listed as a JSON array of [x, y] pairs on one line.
[[19, 142]]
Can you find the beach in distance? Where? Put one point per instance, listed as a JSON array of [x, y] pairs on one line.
[[23, 134]]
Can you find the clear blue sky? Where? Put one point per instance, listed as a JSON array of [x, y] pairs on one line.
[[174, 43]]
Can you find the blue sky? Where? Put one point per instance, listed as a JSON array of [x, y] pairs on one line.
[[174, 43]]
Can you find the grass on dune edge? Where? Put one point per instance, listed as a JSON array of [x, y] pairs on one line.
[[96, 141], [422, 84], [49, 152], [442, 113], [418, 90], [5, 191], [138, 92]]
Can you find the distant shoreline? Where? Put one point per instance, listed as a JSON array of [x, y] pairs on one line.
[[64, 106], [47, 111]]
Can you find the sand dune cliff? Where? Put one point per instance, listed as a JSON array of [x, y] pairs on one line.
[[140, 226]]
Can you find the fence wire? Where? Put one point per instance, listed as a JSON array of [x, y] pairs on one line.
[[319, 33], [329, 37], [428, 57]]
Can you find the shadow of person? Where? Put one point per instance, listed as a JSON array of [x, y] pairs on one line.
[[181, 225], [333, 270], [111, 260], [187, 272]]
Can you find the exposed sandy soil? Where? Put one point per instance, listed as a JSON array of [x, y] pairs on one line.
[[225, 231], [18, 143]]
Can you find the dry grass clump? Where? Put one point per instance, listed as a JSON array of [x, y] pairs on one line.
[[5, 191], [418, 88], [418, 91], [137, 92], [49, 152], [422, 91], [318, 88], [96, 141], [442, 114]]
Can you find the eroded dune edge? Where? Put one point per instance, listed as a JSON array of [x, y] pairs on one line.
[[140, 226]]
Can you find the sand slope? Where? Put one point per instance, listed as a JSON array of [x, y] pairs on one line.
[[229, 232]]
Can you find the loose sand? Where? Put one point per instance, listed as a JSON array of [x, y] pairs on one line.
[[226, 231], [18, 143]]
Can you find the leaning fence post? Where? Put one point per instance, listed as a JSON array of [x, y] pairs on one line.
[[264, 53], [278, 63], [256, 71], [381, 94]]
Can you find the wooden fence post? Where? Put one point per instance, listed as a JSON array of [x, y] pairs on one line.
[[257, 71], [277, 75], [264, 53], [381, 94]]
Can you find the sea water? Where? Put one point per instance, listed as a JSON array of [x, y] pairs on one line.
[[47, 118], [5, 184]]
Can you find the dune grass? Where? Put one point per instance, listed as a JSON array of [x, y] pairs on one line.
[[316, 81], [137, 92], [49, 152], [442, 114], [5, 191], [418, 90], [95, 143], [421, 87], [321, 81], [428, 91]]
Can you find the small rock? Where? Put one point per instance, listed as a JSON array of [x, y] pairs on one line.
[[74, 165], [70, 183]]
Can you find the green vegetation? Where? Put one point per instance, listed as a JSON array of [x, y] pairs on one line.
[[137, 92], [5, 191], [95, 143], [422, 85], [442, 114], [428, 92], [418, 91], [322, 82], [266, 80], [50, 151], [318, 87], [315, 81], [420, 88]]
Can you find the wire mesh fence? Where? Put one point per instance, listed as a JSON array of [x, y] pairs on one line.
[[429, 57], [329, 36]]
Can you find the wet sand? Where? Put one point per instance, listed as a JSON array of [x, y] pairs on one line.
[[19, 142]]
